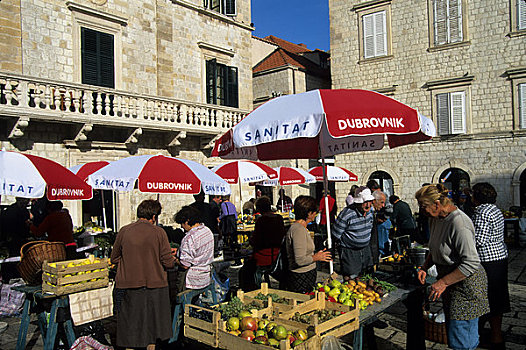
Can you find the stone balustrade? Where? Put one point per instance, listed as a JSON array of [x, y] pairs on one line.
[[35, 98]]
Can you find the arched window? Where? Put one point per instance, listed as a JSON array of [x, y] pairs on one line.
[[384, 180], [456, 180], [523, 189]]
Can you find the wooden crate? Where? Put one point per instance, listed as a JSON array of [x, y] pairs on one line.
[[72, 276], [338, 326], [204, 331], [291, 299], [232, 342]]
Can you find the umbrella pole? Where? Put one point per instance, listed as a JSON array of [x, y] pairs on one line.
[[328, 221], [103, 209], [240, 198]]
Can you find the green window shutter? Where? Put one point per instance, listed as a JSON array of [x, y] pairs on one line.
[[368, 35], [440, 21], [458, 112], [521, 14], [215, 5], [380, 34], [211, 79], [232, 87], [443, 114], [522, 105], [455, 20], [230, 7], [107, 73], [97, 53]]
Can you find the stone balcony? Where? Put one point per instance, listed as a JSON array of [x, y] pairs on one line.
[[26, 99]]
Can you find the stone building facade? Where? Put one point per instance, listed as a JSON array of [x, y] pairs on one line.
[[89, 80], [283, 68], [462, 63]]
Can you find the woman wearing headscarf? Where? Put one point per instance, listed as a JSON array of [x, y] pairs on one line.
[[461, 280]]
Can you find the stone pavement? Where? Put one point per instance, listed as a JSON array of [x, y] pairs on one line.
[[391, 338]]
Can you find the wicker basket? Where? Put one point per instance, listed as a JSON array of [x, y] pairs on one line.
[[434, 331], [33, 254]]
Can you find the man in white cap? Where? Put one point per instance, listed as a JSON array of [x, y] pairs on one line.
[[353, 228]]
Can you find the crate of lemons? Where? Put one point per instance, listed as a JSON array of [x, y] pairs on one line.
[[72, 276]]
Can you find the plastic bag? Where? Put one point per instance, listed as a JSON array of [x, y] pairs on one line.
[[333, 343], [222, 287], [11, 301]]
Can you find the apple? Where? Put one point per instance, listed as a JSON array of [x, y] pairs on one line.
[[244, 314], [263, 323], [260, 332], [249, 323], [291, 338], [279, 332], [273, 342], [326, 288], [233, 324], [301, 334], [297, 342], [247, 334], [269, 327], [261, 340], [335, 284]]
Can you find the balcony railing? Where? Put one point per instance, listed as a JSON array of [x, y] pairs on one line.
[[35, 98]]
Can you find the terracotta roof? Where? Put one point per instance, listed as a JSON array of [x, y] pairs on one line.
[[281, 58], [287, 45]]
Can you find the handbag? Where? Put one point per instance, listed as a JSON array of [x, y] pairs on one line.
[[280, 267]]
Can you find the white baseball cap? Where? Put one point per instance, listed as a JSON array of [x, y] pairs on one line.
[[363, 196]]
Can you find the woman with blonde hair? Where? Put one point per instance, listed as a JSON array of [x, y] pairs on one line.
[[461, 280]]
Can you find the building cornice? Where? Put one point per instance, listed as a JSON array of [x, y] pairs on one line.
[[370, 4], [516, 73], [450, 82], [213, 14], [75, 7]]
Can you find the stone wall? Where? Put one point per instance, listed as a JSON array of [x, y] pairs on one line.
[[10, 43], [493, 148], [158, 40]]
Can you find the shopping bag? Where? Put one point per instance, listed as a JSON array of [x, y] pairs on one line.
[[280, 267], [11, 301]]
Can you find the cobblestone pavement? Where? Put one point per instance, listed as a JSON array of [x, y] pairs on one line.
[[391, 338]]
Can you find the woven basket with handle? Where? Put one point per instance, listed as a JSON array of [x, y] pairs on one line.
[[434, 331], [33, 254]]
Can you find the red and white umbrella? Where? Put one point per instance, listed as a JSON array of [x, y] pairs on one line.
[[158, 174], [322, 123], [245, 171], [334, 173], [28, 176], [290, 176], [86, 169]]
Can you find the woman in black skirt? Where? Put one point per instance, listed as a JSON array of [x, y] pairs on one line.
[[300, 247], [142, 253], [489, 237]]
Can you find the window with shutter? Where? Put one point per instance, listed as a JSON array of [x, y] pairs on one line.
[[451, 113], [522, 105], [230, 7], [374, 34], [521, 14], [448, 23], [97, 56], [221, 84], [443, 113], [458, 113]]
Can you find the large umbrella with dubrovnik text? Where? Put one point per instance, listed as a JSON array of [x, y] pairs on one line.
[[158, 174], [29, 176], [86, 169], [322, 123], [241, 171], [333, 173]]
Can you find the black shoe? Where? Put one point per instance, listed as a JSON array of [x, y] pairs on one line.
[[379, 324]]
